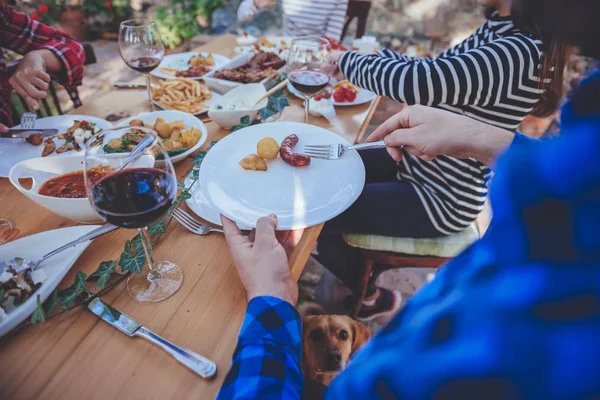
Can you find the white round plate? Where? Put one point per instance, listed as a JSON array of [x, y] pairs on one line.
[[363, 96], [300, 197], [181, 61], [34, 247], [214, 100], [13, 151], [189, 121]]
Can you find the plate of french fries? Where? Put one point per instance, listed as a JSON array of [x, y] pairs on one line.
[[192, 65], [182, 94]]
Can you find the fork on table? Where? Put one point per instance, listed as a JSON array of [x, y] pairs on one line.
[[28, 120], [192, 224], [335, 151]]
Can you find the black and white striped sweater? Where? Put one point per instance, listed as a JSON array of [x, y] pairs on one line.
[[493, 77]]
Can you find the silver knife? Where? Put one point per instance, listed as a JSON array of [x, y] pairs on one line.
[[129, 85], [25, 133], [200, 365]]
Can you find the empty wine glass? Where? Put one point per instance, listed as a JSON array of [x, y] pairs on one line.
[[141, 48], [134, 196], [309, 67]]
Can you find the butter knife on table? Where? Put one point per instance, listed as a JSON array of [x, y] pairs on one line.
[[25, 133], [129, 85], [200, 365]]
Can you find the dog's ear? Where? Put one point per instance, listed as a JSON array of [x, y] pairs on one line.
[[308, 309], [360, 335]]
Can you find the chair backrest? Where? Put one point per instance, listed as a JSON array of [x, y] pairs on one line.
[[51, 104], [357, 9]]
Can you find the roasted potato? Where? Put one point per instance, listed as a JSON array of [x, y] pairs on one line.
[[267, 148], [189, 137], [163, 128], [172, 144], [136, 122], [177, 124], [253, 163]]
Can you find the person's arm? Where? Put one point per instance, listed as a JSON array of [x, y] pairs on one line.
[[45, 50], [394, 55], [335, 23], [479, 77], [249, 9], [266, 362]]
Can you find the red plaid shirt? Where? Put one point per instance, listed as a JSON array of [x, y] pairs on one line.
[[21, 34]]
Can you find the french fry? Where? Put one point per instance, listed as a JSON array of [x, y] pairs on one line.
[[181, 94]]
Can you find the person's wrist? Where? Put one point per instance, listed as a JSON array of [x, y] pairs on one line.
[[487, 143]]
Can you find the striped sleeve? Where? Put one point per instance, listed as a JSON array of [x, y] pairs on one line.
[[335, 23], [499, 73], [387, 53], [247, 11]]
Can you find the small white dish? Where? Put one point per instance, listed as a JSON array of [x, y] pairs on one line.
[[34, 247], [189, 121], [42, 169], [224, 86], [240, 95], [245, 40], [13, 151], [363, 96], [301, 197], [181, 62]]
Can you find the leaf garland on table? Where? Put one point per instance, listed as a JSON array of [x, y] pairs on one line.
[[108, 276], [276, 104]]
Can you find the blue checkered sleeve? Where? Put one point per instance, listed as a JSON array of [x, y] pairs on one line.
[[266, 362]]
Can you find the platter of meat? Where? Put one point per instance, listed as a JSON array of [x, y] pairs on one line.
[[261, 169], [246, 68]]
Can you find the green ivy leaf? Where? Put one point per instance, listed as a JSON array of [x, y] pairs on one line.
[[38, 315], [137, 244], [184, 196], [195, 173], [1, 295], [103, 273], [244, 122], [199, 158], [132, 261], [158, 227], [180, 185], [69, 294], [50, 303]]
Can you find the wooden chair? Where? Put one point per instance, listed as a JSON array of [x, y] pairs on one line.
[[357, 9], [379, 254], [50, 105]]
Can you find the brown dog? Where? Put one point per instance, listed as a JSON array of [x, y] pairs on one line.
[[328, 341]]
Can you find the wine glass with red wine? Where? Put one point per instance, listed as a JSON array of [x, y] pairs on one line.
[[309, 67], [141, 48], [133, 195]]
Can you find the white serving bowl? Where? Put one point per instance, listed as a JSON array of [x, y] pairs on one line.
[[42, 169], [228, 119]]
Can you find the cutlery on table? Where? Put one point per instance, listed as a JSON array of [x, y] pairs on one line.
[[192, 224], [28, 120], [335, 151], [25, 133], [129, 85], [200, 365], [20, 264]]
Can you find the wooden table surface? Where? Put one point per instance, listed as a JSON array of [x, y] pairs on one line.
[[76, 355]]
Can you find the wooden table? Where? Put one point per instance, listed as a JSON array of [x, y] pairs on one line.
[[77, 355]]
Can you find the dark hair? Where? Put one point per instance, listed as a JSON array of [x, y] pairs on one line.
[[555, 57]]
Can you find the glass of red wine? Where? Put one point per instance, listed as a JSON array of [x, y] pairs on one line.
[[141, 48], [134, 192], [309, 67]]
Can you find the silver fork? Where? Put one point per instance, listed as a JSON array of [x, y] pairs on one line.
[[192, 224], [335, 151], [28, 120]]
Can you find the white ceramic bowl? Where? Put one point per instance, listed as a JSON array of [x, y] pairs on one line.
[[42, 169], [228, 119]]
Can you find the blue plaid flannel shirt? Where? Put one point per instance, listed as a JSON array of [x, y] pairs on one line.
[[516, 316]]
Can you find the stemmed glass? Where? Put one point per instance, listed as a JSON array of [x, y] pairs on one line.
[[309, 67], [133, 195], [141, 48]]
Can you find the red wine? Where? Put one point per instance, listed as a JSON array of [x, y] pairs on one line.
[[134, 197], [308, 82], [144, 64]]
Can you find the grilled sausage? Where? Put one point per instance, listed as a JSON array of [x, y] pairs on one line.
[[287, 154]]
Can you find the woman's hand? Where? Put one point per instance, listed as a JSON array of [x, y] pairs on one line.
[[334, 59], [264, 3], [30, 80], [261, 260], [3, 128], [428, 132]]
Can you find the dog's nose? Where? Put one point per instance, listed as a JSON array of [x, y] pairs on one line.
[[333, 358]]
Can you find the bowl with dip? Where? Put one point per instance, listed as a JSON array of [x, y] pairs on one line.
[[233, 106]]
